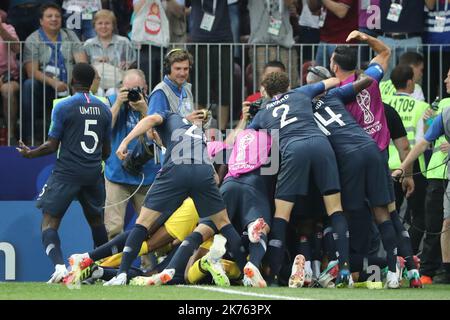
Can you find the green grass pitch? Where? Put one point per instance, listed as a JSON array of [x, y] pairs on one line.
[[43, 291]]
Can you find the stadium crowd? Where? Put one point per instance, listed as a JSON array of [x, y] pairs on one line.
[[335, 119]]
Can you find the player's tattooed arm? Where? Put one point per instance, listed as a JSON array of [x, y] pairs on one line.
[[362, 83], [48, 147], [381, 49]]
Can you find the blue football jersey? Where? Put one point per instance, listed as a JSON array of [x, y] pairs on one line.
[[82, 124], [184, 141], [343, 132], [291, 114]]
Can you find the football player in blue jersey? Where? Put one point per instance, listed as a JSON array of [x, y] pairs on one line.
[[81, 132], [186, 171], [357, 152], [304, 150]]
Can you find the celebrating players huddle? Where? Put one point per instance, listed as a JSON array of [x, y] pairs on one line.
[[312, 222]]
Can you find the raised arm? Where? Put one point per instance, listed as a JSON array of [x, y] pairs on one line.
[[362, 83], [383, 52], [241, 125], [340, 10]]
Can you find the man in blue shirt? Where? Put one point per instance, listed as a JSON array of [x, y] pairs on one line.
[[81, 132], [122, 186]]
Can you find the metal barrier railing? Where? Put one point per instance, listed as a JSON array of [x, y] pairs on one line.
[[219, 79]]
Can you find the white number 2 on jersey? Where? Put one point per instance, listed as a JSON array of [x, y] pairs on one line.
[[190, 132], [88, 132], [283, 121]]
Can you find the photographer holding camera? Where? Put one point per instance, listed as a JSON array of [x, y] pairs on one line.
[[128, 107]]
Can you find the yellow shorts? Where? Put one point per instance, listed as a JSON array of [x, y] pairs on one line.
[[183, 221], [207, 244]]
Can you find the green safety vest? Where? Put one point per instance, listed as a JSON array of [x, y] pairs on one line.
[[387, 89], [411, 112], [438, 156]]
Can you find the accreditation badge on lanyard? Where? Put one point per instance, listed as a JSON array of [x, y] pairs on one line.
[[208, 19], [395, 11], [322, 17], [439, 25], [274, 22]]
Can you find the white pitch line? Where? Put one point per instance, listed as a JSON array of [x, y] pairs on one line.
[[252, 294]]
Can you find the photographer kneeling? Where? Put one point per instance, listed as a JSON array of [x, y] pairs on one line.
[[128, 107]]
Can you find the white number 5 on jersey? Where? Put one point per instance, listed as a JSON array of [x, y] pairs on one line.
[[91, 133], [283, 121]]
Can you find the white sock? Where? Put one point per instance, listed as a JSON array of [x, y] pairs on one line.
[[316, 268], [308, 267]]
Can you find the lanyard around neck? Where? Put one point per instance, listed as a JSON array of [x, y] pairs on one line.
[[214, 7], [269, 7]]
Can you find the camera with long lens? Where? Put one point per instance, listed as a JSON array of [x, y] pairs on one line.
[[139, 156], [134, 94], [255, 107]]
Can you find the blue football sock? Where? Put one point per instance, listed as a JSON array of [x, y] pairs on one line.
[[185, 251], [275, 250], [258, 250], [52, 245], [316, 246], [341, 237], [132, 246], [234, 245], [403, 241], [388, 238], [110, 248], [329, 246], [304, 247]]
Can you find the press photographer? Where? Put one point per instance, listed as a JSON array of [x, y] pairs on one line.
[[128, 107]]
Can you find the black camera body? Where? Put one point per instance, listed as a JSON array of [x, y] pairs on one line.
[[255, 107], [136, 159], [134, 94]]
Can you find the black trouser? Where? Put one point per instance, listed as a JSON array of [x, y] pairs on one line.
[[434, 213], [310, 38], [416, 207]]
